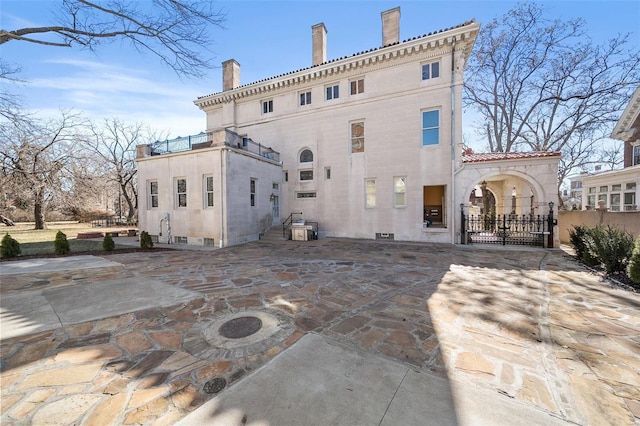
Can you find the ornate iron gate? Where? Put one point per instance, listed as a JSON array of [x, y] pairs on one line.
[[529, 230]]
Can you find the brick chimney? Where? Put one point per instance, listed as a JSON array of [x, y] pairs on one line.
[[390, 26], [319, 42], [230, 74]]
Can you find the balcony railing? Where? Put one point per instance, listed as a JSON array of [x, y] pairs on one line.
[[213, 139]]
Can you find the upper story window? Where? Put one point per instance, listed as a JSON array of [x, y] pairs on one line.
[[181, 192], [399, 191], [305, 98], [370, 193], [208, 191], [636, 155], [603, 188], [332, 92], [252, 192], [592, 190], [430, 127], [357, 137], [152, 202], [356, 86], [267, 106], [306, 156], [431, 70]]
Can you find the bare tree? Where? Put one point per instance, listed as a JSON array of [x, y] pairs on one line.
[[612, 156], [543, 85], [34, 158], [115, 143], [178, 32]]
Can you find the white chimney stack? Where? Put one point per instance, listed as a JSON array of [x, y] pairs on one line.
[[230, 74], [319, 41]]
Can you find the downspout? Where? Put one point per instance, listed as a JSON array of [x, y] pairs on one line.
[[453, 143], [222, 195]]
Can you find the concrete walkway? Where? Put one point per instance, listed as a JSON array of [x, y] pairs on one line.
[[353, 332]]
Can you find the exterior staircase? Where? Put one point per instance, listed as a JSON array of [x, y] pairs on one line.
[[273, 235]]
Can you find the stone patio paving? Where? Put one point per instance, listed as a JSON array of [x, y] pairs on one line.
[[529, 324]]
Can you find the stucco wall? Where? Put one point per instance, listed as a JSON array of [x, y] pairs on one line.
[[629, 221]]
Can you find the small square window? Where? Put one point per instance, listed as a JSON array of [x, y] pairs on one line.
[[616, 187], [431, 70], [306, 174], [305, 98], [357, 86], [332, 92], [604, 188], [267, 106]]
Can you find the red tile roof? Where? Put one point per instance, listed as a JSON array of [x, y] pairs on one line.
[[498, 156]]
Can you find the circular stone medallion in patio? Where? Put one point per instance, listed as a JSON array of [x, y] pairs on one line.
[[237, 334]]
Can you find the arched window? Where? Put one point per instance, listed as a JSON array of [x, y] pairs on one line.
[[306, 156]]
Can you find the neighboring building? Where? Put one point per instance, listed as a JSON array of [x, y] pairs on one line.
[[619, 190], [368, 145]]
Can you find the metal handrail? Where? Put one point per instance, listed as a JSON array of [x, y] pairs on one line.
[[287, 222]]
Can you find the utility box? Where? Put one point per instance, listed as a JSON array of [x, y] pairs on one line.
[[299, 233]]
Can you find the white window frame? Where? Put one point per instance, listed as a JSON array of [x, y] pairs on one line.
[[357, 142], [358, 85], [206, 191], [152, 195], [304, 98], [253, 184], [430, 128], [430, 67], [266, 106], [370, 193], [398, 190], [179, 194], [635, 155], [331, 92]]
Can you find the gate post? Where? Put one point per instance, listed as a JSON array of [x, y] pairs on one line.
[[550, 223], [463, 232]]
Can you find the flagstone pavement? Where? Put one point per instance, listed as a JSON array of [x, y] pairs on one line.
[[531, 325]]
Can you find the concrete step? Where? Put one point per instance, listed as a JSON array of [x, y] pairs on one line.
[[273, 234]]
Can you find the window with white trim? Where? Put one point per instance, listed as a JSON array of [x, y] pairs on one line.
[[252, 191], [181, 192], [431, 70], [370, 193], [356, 86], [207, 187], [635, 160], [630, 196], [357, 137], [430, 127], [305, 98], [332, 92], [399, 191], [152, 190], [267, 106]]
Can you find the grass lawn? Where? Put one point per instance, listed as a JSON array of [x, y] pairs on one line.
[[34, 242]]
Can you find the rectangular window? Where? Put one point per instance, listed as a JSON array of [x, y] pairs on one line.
[[357, 86], [630, 186], [636, 155], [252, 190], [616, 187], [152, 202], [305, 98], [629, 201], [604, 188], [208, 191], [431, 70], [305, 195], [592, 190], [327, 173], [181, 192], [267, 106], [434, 206], [614, 202], [370, 193], [332, 92], [602, 197], [399, 191], [275, 186], [357, 137], [430, 127], [306, 174], [286, 176], [591, 201]]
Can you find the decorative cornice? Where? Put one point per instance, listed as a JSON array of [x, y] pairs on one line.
[[463, 34], [627, 126]]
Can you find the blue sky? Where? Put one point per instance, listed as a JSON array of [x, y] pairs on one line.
[[267, 38]]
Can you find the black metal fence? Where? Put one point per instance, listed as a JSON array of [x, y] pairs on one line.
[[508, 229]]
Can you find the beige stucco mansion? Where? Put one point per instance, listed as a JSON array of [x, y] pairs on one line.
[[368, 146]]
